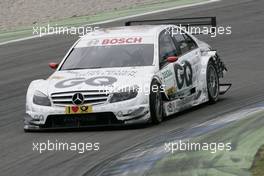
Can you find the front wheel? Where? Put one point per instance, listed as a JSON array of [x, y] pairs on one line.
[[212, 83], [155, 98]]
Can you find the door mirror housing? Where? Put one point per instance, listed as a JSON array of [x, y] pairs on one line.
[[53, 65], [172, 59]]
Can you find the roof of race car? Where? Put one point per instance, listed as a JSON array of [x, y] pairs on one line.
[[141, 30], [143, 34]]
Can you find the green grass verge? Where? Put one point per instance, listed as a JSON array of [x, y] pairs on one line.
[[246, 136], [258, 165], [27, 31]]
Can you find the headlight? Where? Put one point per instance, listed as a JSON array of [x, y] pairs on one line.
[[124, 94], [40, 98]]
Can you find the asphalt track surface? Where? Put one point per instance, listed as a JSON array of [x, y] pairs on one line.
[[22, 62]]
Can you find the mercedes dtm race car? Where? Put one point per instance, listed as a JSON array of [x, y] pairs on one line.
[[125, 75]]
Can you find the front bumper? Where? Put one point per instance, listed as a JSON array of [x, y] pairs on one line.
[[42, 118]]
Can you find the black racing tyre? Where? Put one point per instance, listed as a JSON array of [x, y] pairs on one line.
[[212, 80], [155, 101]]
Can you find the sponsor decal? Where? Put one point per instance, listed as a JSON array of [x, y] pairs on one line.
[[101, 81], [184, 74], [55, 77], [95, 81], [92, 73], [117, 41], [170, 107], [171, 91], [78, 109], [93, 42], [166, 74], [173, 107]]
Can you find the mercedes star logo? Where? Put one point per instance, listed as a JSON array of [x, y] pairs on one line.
[[77, 99]]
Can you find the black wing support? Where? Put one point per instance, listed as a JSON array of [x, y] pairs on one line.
[[195, 21]]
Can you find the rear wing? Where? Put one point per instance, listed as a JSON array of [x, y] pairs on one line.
[[186, 22]]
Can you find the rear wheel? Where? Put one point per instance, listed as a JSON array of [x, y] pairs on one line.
[[212, 83], [156, 109]]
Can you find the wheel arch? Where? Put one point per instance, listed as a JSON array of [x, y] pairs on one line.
[[159, 81], [218, 63]]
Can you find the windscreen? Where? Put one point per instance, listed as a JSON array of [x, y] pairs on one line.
[[109, 56]]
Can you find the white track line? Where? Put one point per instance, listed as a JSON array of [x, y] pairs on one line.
[[121, 18]]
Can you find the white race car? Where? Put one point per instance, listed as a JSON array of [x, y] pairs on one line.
[[125, 75]]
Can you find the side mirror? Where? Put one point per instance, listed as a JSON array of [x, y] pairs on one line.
[[53, 66], [172, 59]]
